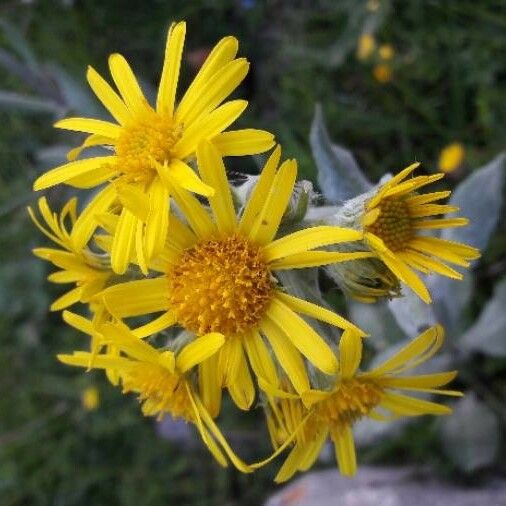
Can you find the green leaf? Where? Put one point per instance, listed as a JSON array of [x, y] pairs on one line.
[[339, 176], [488, 334], [471, 434], [19, 44]]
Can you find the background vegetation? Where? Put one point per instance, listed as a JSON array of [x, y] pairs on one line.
[[445, 83]]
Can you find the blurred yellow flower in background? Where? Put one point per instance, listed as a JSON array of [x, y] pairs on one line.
[[451, 157], [90, 399], [382, 73], [366, 46], [386, 51]]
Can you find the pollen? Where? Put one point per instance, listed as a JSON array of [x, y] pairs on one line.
[[150, 137], [160, 392], [352, 400], [394, 224], [220, 285]]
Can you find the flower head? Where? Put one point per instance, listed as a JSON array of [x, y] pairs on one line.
[[88, 271], [394, 221], [218, 275], [382, 73], [159, 378], [152, 145], [355, 395]]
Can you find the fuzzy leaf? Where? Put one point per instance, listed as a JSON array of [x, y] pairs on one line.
[[470, 435], [339, 176], [480, 199], [488, 334], [10, 100], [411, 313]]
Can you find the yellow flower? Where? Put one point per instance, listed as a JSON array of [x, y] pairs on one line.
[[451, 157], [366, 46], [79, 265], [90, 398], [159, 378], [382, 73], [218, 277], [356, 395], [394, 223], [373, 5], [151, 146], [386, 51]]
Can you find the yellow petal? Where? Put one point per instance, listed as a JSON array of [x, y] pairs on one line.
[[315, 311], [242, 389], [90, 126], [199, 350], [94, 178], [410, 406], [78, 322], [210, 384], [163, 322], [123, 242], [66, 172], [308, 239], [186, 178], [276, 201], [224, 52], [257, 198], [243, 142], [109, 98], [287, 355], [170, 73], [157, 222], [303, 337], [317, 259], [345, 451], [134, 198], [350, 353], [127, 84], [418, 350], [197, 216], [137, 298], [212, 169], [260, 358], [86, 224], [67, 300], [438, 224], [208, 127], [212, 92]]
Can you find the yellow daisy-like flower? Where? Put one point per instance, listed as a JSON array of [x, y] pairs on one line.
[[160, 380], [151, 146], [394, 221], [218, 277], [356, 395], [366, 46], [79, 265]]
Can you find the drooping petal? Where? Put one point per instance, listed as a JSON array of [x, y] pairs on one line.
[[345, 451], [350, 353], [123, 242]]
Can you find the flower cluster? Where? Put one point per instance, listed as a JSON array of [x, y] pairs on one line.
[[180, 274]]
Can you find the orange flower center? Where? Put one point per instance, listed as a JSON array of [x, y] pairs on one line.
[[149, 138], [352, 400], [160, 391], [394, 224], [220, 285]]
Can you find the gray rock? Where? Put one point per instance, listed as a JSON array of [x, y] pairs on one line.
[[383, 486]]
